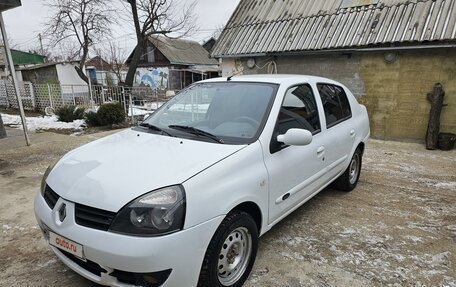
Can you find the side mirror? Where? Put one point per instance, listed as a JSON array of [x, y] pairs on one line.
[[296, 137]]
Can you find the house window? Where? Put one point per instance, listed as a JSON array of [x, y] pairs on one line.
[[150, 54], [335, 104]]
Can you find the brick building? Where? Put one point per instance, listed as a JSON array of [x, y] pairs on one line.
[[390, 53]]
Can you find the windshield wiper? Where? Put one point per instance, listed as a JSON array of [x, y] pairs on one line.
[[155, 128], [195, 131]]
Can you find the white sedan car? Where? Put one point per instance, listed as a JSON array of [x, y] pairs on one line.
[[181, 199]]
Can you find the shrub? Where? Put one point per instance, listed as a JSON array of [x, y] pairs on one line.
[[79, 113], [66, 113], [70, 113], [91, 119], [111, 114]]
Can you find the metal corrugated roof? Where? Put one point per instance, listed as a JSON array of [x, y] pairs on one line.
[[45, 65], [182, 52], [21, 58], [269, 26]]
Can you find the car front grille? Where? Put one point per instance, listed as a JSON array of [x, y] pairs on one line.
[[93, 217], [85, 215], [50, 196]]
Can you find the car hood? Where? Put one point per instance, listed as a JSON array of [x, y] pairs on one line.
[[110, 172]]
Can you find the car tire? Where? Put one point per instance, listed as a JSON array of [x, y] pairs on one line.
[[231, 253], [349, 179]]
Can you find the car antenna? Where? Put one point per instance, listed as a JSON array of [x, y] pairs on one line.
[[235, 74]]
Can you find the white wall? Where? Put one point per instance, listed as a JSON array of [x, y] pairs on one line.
[[19, 76], [231, 67], [67, 75], [102, 77]]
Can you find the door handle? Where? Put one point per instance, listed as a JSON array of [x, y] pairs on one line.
[[352, 133], [320, 150]]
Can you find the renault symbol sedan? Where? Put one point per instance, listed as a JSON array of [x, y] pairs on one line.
[[181, 199]]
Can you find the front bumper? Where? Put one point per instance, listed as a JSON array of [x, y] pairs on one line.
[[182, 252]]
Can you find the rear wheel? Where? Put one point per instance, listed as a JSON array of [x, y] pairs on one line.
[[349, 179], [231, 252]]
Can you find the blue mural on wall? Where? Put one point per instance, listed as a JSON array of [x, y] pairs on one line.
[[155, 78]]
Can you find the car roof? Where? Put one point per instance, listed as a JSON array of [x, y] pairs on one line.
[[273, 78]]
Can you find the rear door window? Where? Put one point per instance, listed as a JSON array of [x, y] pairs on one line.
[[335, 104]]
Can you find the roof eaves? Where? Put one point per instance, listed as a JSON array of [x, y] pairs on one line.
[[45, 65], [193, 63], [352, 49]]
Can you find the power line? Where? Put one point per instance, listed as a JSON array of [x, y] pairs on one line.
[[27, 41], [208, 30], [125, 36]]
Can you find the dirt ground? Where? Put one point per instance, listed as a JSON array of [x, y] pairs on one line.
[[397, 228]]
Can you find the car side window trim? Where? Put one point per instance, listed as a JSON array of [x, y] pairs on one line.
[[342, 119], [273, 146], [338, 122]]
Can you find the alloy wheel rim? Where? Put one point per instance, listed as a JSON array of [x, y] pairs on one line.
[[234, 256]]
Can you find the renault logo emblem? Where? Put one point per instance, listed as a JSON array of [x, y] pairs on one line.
[[62, 212]]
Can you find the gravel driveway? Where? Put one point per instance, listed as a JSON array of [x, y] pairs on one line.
[[397, 228]]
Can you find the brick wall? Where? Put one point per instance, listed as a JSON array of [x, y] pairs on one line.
[[394, 93], [342, 68]]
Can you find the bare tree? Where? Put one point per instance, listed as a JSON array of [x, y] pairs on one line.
[[68, 51], [218, 31], [62, 51], [157, 17], [116, 58], [83, 21], [45, 51], [11, 42]]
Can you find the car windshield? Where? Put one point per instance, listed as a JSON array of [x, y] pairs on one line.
[[220, 112]]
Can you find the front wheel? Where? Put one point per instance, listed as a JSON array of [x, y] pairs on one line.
[[231, 252], [349, 179]]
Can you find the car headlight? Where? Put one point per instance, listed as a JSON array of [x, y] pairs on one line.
[[46, 174], [156, 213]]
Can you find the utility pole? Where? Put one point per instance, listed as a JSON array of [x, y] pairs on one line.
[[13, 75], [41, 44]]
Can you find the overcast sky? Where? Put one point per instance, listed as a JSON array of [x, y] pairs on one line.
[[24, 23]]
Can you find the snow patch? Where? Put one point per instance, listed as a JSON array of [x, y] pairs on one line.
[[52, 261], [448, 184], [139, 112], [42, 123], [348, 231], [441, 258], [415, 239], [292, 256]]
